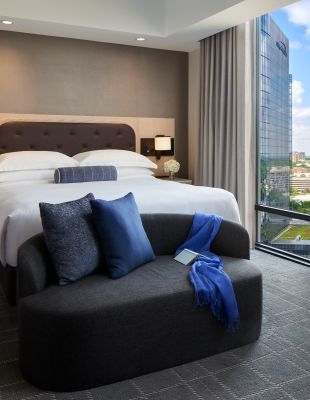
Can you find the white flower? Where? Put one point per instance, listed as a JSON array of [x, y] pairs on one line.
[[171, 166]]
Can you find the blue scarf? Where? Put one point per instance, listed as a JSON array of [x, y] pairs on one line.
[[211, 284]]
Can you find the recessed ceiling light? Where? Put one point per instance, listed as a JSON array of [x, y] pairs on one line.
[[140, 39], [7, 22]]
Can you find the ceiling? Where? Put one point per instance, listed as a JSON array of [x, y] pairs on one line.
[[165, 24]]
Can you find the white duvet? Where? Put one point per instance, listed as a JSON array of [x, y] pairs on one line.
[[20, 218]]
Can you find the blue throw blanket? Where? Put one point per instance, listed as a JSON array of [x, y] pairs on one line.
[[211, 284]]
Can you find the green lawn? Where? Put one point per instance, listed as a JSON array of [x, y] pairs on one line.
[[294, 230]]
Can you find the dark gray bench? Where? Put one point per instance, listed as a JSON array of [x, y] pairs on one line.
[[98, 330]]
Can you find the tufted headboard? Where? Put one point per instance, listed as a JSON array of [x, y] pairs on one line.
[[67, 138]]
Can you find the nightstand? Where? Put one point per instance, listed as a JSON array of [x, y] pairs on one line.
[[179, 180]]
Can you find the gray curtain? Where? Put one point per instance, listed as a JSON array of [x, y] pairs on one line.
[[226, 137], [217, 154]]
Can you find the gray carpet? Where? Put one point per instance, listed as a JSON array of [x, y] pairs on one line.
[[275, 367]]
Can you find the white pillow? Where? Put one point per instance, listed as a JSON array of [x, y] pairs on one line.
[[47, 175], [30, 160], [44, 175], [118, 158], [133, 172]]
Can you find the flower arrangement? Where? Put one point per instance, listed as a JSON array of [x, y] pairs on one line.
[[171, 167]]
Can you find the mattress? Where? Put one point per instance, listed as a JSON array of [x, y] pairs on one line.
[[20, 217]]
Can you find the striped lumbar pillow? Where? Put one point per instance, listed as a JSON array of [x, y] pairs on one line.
[[85, 174]]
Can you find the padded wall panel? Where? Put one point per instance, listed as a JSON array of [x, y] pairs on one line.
[[67, 138]]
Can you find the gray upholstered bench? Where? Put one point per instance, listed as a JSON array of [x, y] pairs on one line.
[[98, 330]]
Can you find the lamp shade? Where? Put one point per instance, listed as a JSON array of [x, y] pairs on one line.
[[162, 143]]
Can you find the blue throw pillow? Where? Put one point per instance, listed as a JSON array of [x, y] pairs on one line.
[[123, 238], [71, 238], [85, 174]]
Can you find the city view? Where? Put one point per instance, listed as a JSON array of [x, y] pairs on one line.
[[284, 126]]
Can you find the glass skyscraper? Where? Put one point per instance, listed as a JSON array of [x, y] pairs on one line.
[[275, 130]]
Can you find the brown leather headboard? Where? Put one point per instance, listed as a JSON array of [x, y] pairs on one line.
[[67, 138]]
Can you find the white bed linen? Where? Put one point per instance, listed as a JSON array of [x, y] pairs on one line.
[[20, 218]]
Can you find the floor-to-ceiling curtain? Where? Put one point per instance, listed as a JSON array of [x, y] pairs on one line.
[[226, 141], [218, 111]]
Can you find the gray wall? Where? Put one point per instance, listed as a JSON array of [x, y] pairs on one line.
[[49, 75]]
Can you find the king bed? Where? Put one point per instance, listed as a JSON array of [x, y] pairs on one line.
[[19, 199]]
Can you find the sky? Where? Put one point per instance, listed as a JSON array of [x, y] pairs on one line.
[[294, 21]]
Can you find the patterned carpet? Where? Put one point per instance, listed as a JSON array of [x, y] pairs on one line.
[[276, 367]]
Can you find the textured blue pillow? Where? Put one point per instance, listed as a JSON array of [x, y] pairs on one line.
[[124, 241], [71, 238], [85, 174]]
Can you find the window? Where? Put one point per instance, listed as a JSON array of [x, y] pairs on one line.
[[283, 193]]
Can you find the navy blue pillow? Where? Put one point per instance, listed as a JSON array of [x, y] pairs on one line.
[[71, 238], [85, 174], [123, 238]]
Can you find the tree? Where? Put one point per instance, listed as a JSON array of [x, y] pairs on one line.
[[301, 206], [276, 197], [293, 191]]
